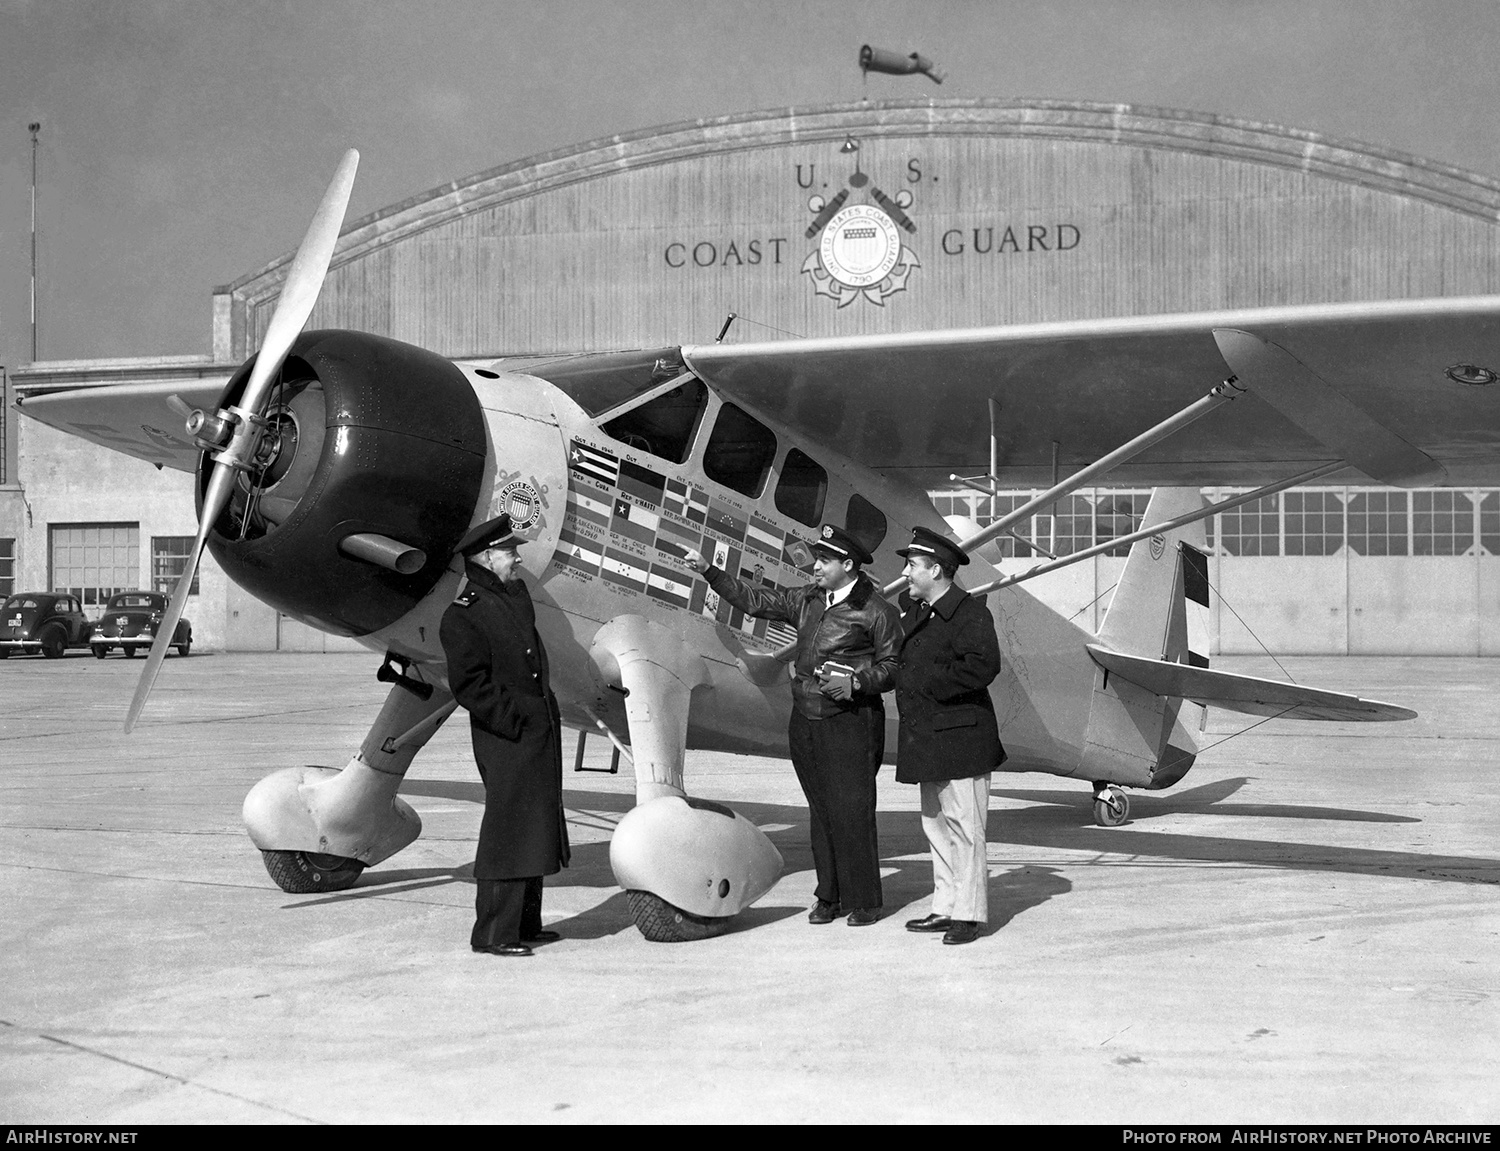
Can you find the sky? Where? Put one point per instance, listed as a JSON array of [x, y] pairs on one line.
[[185, 144]]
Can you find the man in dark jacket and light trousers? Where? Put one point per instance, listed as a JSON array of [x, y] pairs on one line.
[[497, 670], [948, 739], [837, 728]]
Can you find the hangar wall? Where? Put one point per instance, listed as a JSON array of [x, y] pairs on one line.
[[969, 213]]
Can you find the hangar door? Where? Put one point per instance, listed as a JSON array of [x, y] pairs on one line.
[[93, 561]]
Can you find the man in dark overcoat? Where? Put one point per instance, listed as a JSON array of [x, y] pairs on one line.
[[497, 670], [948, 740], [837, 726]]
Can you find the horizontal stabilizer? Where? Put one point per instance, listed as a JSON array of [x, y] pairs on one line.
[[1245, 693]]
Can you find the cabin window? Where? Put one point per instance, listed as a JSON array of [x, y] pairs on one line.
[[665, 425], [740, 451], [865, 522], [801, 487]]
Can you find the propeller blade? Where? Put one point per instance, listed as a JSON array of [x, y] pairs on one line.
[[304, 280], [303, 283], [220, 485]]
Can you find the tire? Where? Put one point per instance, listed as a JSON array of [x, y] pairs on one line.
[[100, 651], [4, 653], [184, 648], [307, 872], [128, 650], [660, 922], [54, 643]]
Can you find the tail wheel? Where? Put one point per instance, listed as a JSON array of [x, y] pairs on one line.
[[1111, 807], [307, 872], [660, 922], [54, 643]]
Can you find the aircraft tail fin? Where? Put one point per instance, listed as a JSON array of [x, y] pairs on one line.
[[1159, 613], [1160, 605]]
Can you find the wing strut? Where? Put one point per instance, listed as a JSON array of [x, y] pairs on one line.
[[1306, 477], [1220, 394]]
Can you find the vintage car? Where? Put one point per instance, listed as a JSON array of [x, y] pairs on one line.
[[49, 622], [129, 622]]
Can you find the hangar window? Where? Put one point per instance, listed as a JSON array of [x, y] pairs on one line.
[[865, 522], [740, 451], [801, 487], [600, 382], [169, 559], [664, 425], [7, 567], [1442, 523]]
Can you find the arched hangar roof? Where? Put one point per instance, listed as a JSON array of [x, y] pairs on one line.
[[1017, 210]]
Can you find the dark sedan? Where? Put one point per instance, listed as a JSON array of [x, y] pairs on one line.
[[42, 621], [130, 621]]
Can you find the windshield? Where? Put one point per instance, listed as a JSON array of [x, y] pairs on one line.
[[603, 381]]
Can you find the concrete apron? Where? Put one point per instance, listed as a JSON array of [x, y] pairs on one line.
[[1303, 930]]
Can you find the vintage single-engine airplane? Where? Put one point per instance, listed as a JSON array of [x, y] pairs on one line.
[[338, 470]]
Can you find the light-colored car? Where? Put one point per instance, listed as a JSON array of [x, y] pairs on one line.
[[130, 621]]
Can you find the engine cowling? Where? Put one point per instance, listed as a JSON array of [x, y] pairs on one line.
[[367, 436]]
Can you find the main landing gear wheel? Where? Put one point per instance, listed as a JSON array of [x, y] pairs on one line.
[[307, 872], [660, 922], [1111, 807]]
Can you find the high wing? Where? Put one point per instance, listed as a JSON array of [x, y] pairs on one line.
[[1243, 693], [914, 405], [132, 418]]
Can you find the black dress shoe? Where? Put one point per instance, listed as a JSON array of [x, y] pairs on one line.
[[864, 916], [542, 936], [929, 923], [824, 912], [510, 949], [962, 931]]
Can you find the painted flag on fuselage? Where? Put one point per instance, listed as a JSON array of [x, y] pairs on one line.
[[675, 539], [595, 464], [781, 633], [763, 537], [585, 505], [668, 586], [674, 499], [624, 569], [697, 505], [724, 521], [634, 521], [642, 483], [579, 553]]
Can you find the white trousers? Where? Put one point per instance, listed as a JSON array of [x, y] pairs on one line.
[[954, 813]]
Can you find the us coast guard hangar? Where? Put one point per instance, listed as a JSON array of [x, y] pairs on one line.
[[868, 218]]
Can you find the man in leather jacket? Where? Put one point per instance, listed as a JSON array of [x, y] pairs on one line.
[[497, 670], [837, 726]]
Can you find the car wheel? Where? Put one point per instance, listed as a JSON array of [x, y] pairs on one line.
[[100, 651], [184, 648], [4, 653], [54, 643], [128, 650]]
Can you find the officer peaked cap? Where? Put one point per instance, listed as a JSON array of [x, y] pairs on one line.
[[926, 542], [490, 534], [838, 543]]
